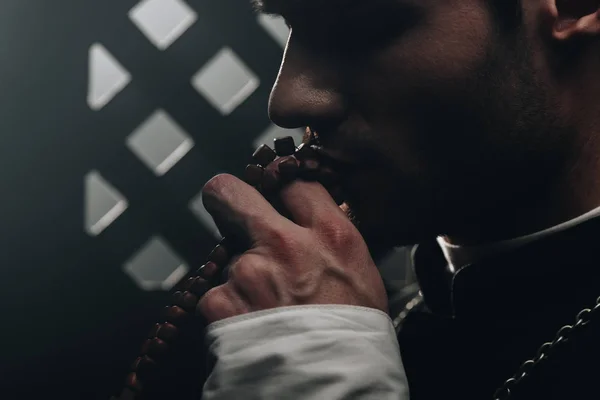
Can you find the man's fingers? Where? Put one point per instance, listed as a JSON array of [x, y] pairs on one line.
[[221, 302], [309, 203], [304, 202], [256, 281], [240, 210]]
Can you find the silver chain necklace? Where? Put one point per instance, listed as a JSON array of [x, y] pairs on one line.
[[584, 317], [545, 351]]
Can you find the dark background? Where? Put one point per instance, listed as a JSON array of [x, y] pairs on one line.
[[76, 301]]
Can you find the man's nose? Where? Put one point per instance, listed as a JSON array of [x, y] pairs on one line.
[[307, 91]]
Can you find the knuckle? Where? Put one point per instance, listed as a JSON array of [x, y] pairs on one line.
[[283, 243], [339, 236], [248, 270], [213, 304]]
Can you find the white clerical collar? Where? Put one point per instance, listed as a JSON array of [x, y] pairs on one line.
[[459, 256]]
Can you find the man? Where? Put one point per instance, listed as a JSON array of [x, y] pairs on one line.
[[473, 121]]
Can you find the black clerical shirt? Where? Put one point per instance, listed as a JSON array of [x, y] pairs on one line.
[[479, 325]]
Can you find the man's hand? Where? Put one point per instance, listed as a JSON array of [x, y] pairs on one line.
[[316, 256]]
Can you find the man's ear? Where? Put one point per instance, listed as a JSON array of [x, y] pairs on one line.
[[572, 18]]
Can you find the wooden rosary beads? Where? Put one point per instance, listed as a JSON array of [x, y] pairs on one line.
[[270, 171]]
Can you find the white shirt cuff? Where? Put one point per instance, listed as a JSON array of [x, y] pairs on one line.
[[306, 352]]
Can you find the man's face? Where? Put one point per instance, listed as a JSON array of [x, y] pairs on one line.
[[442, 113]]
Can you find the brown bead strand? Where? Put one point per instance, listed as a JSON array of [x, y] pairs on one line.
[[155, 351]]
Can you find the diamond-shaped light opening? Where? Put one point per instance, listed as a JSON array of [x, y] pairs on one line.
[[198, 209], [275, 27], [274, 132], [160, 142], [106, 77], [225, 81], [103, 203], [156, 266], [162, 21]]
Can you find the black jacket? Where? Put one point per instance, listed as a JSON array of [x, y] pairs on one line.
[[480, 325]]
